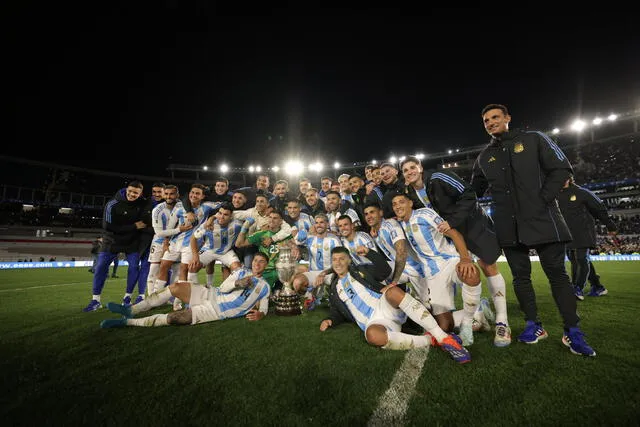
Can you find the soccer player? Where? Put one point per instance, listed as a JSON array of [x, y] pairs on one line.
[[121, 222], [456, 202], [335, 211], [352, 239], [579, 208], [356, 295], [213, 241], [445, 264], [525, 171], [243, 293]]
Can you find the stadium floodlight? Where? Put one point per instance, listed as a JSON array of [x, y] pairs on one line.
[[457, 150], [450, 151], [393, 159], [224, 168], [275, 168], [205, 167], [402, 158], [258, 168], [597, 121], [336, 165], [578, 125], [252, 169], [419, 156], [319, 167], [612, 117], [555, 131], [293, 167], [374, 162]]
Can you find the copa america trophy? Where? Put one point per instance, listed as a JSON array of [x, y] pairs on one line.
[[287, 300]]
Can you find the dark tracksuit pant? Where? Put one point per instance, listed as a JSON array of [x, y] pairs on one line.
[[552, 261], [582, 268]]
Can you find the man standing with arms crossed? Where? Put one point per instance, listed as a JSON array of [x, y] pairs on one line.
[[525, 172]]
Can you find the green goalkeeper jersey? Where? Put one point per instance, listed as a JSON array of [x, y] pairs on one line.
[[272, 251]]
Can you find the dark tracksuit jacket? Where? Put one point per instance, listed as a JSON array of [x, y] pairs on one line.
[[120, 233], [524, 171], [579, 207]]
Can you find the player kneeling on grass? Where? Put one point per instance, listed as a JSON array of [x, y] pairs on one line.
[[243, 293], [356, 295]]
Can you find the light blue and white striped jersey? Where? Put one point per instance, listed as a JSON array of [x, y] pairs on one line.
[[303, 222], [391, 232], [422, 195], [221, 239], [360, 239], [160, 219], [432, 247], [319, 249], [361, 301], [232, 302], [179, 217], [333, 219]]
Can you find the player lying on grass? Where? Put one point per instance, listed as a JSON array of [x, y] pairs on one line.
[[243, 293], [356, 295]]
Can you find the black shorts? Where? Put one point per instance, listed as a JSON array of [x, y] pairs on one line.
[[481, 239]]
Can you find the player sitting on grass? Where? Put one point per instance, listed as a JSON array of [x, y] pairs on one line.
[[243, 293]]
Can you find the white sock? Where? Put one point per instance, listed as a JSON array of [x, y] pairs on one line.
[[192, 277], [470, 301], [402, 341], [151, 278], [159, 285], [156, 299], [127, 295], [458, 315], [210, 279], [155, 320], [96, 297], [419, 314], [498, 291]]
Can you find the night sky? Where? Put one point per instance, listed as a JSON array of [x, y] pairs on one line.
[[133, 90]]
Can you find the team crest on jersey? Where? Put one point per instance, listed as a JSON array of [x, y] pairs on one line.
[[438, 220], [518, 148], [492, 159], [572, 198]]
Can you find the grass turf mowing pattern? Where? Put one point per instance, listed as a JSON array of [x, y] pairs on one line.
[[59, 367]]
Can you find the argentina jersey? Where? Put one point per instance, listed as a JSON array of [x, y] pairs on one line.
[[319, 249], [303, 222], [179, 217], [333, 219], [391, 232], [239, 302], [360, 239], [220, 240], [360, 300], [432, 247], [160, 220]]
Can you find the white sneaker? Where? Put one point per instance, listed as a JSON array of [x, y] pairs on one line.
[[485, 307], [177, 305], [466, 333], [480, 322], [503, 335]]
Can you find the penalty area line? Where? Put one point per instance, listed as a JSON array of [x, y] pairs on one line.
[[393, 404]]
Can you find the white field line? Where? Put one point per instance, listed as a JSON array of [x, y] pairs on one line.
[[392, 406], [45, 286]]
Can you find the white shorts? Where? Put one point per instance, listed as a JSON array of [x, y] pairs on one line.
[[201, 304], [155, 253], [419, 287], [385, 315], [442, 288], [175, 253], [226, 259]]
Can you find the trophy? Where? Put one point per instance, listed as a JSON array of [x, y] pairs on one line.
[[287, 299]]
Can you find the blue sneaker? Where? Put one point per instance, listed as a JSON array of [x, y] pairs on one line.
[[113, 323], [126, 301], [578, 293], [574, 339], [93, 306], [125, 310], [452, 346], [532, 333], [598, 291], [485, 307], [139, 298]]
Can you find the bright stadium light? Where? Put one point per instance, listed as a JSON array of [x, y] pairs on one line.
[[419, 156], [597, 121], [393, 159], [450, 151], [224, 168], [612, 117], [457, 150], [275, 168], [336, 165], [251, 169], [205, 167], [319, 167], [402, 158], [258, 168], [555, 131], [374, 162], [578, 125], [293, 167]]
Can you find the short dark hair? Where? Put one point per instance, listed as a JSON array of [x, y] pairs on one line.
[[333, 192], [262, 254], [396, 193], [198, 185], [356, 176], [325, 177], [369, 167], [158, 184], [171, 187], [261, 193], [221, 179], [341, 217], [340, 250], [391, 165], [228, 206], [412, 159], [135, 183], [495, 107], [372, 204]]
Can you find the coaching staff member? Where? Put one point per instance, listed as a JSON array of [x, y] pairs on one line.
[[525, 171]]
